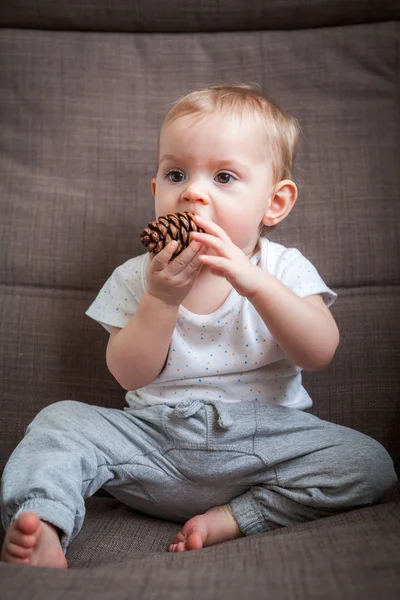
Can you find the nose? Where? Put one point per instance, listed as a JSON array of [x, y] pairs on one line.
[[195, 193]]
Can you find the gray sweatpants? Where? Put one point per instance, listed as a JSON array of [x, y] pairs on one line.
[[275, 466]]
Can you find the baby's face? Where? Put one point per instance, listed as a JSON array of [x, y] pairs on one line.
[[218, 168]]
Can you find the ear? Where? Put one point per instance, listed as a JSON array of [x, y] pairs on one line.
[[153, 187], [283, 197]]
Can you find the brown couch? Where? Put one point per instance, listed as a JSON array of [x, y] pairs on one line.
[[84, 85]]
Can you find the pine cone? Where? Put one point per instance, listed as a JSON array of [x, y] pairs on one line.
[[175, 226]]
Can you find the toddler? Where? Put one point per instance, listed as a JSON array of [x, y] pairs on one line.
[[210, 347]]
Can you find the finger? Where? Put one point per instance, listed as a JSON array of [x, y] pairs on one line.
[[212, 228], [215, 261], [188, 257], [216, 264], [161, 260], [210, 241]]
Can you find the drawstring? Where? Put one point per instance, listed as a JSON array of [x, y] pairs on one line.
[[189, 407]]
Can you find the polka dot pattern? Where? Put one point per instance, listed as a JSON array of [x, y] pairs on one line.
[[228, 355]]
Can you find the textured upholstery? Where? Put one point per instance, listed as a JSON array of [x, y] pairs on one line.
[[84, 86], [345, 557]]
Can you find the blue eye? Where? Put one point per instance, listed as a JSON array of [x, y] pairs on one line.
[[226, 177], [171, 176]]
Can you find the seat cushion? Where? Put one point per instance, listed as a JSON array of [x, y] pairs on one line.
[[350, 555], [192, 15]]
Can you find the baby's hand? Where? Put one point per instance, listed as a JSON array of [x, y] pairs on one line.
[[171, 280], [231, 260]]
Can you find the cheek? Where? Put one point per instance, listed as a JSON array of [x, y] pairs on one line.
[[164, 199], [239, 225]]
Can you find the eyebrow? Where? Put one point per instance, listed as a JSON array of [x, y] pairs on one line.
[[220, 162]]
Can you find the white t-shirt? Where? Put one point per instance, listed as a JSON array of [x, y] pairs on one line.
[[227, 355]]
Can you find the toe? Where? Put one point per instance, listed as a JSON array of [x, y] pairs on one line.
[[181, 547], [15, 559], [19, 538], [196, 540], [28, 523], [180, 537], [17, 551]]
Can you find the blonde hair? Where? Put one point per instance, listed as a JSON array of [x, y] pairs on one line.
[[282, 129]]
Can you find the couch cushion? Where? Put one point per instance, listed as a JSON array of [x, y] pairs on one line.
[[351, 555], [113, 532], [80, 116], [192, 15]]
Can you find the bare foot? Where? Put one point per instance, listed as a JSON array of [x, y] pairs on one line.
[[215, 526], [30, 541]]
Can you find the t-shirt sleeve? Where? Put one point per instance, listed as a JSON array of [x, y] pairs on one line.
[[300, 275], [119, 297]]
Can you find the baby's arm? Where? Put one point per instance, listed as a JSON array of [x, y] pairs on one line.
[[304, 328], [136, 354]]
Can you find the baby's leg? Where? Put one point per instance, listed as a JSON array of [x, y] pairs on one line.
[[69, 451], [321, 469], [294, 468]]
